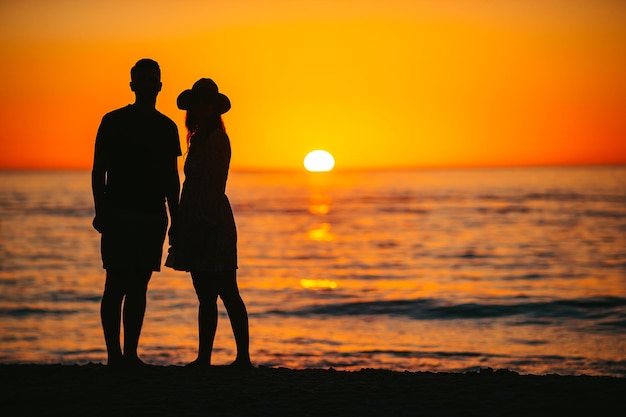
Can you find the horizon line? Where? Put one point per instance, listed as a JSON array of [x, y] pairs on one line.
[[353, 169]]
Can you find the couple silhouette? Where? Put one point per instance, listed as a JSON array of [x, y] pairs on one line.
[[134, 177]]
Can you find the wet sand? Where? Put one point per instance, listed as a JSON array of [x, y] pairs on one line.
[[93, 390]]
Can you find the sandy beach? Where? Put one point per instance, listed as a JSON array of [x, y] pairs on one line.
[[175, 391]]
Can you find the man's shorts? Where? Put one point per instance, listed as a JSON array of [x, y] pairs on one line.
[[133, 240]]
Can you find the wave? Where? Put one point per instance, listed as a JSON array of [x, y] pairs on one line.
[[22, 312], [606, 311], [19, 208], [555, 196]]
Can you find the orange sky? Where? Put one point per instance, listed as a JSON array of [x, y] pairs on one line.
[[394, 83]]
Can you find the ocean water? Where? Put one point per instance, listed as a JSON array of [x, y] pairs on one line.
[[434, 270]]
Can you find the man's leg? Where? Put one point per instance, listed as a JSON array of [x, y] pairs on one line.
[[110, 314], [134, 311]]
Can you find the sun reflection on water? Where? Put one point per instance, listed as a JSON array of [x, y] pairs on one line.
[[321, 232], [319, 209], [318, 284]]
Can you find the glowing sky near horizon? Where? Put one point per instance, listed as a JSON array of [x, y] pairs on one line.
[[378, 84]]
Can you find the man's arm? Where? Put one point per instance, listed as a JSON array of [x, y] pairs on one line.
[[98, 182], [172, 193]]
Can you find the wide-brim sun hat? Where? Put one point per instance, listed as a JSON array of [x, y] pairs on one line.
[[203, 91]]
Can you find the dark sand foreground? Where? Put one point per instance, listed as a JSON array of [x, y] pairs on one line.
[[94, 390]]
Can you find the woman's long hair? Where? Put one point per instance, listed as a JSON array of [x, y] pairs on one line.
[[191, 122]]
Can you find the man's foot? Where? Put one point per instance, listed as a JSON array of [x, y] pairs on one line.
[[115, 362], [133, 363]]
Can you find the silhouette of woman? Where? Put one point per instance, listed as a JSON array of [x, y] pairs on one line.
[[204, 238]]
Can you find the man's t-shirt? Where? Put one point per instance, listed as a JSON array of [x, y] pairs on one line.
[[137, 149]]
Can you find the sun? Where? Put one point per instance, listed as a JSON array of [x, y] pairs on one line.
[[319, 161]]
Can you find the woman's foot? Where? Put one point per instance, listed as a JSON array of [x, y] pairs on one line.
[[198, 364], [241, 364]]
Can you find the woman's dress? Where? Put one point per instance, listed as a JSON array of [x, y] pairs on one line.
[[205, 236]]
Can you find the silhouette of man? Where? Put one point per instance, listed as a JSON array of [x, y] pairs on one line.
[[134, 174]]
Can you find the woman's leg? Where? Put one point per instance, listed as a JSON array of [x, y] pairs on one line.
[[238, 315], [206, 291]]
